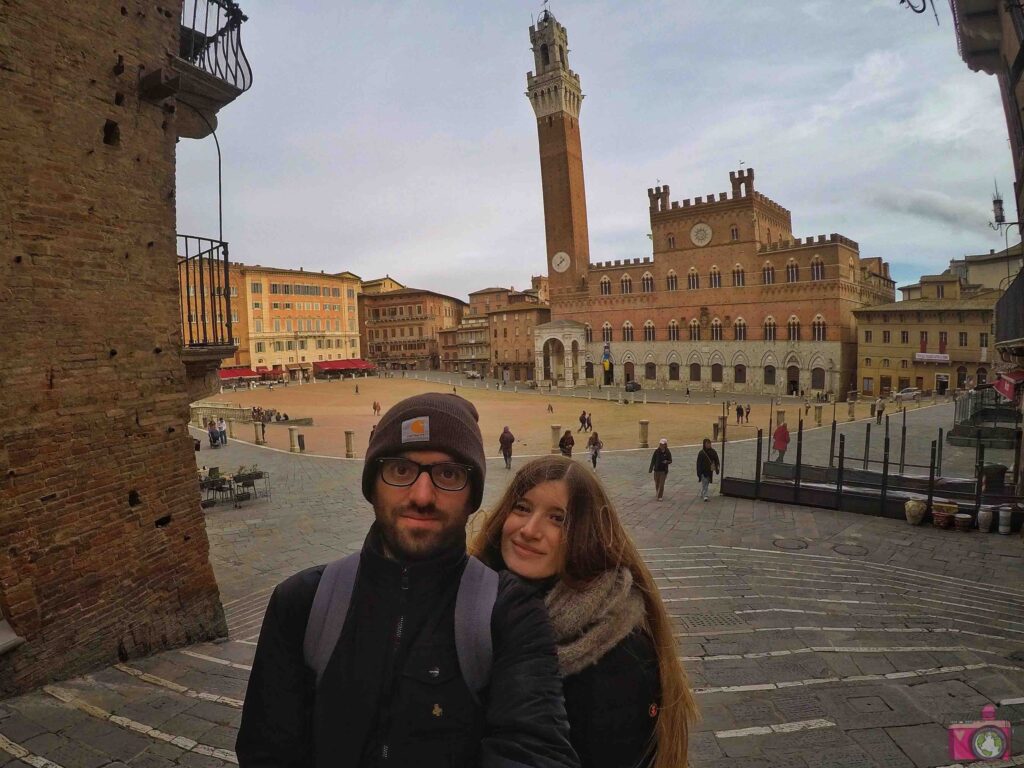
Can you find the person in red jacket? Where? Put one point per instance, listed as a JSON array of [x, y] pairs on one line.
[[780, 441]]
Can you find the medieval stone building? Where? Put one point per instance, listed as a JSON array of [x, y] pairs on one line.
[[729, 299]]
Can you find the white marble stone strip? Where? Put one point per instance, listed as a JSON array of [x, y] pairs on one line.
[[850, 649], [704, 691], [248, 641], [178, 688], [182, 742], [1008, 702], [894, 630], [215, 660], [764, 730], [265, 592], [20, 753]]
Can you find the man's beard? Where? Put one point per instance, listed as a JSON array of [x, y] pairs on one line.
[[404, 542]]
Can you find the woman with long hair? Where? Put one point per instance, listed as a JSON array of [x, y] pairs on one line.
[[626, 693]]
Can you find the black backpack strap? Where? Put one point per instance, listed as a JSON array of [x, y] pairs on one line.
[[328, 613], [474, 605]]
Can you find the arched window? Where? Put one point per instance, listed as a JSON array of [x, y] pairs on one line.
[[694, 330], [739, 374], [793, 328], [768, 274], [649, 331], [694, 371], [885, 362], [673, 371], [670, 241], [673, 330], [715, 278], [588, 370], [589, 333], [734, 233], [792, 272], [545, 57], [817, 378], [982, 377], [626, 284], [818, 330], [738, 276], [606, 286], [716, 330], [740, 329], [672, 281], [647, 283], [867, 362], [769, 329], [627, 331], [769, 375], [716, 373], [692, 279], [961, 377], [817, 269], [650, 371], [606, 332]]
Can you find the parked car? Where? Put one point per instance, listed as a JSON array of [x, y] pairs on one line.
[[472, 375], [907, 393], [632, 386]]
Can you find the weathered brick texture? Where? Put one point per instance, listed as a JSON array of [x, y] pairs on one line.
[[103, 548]]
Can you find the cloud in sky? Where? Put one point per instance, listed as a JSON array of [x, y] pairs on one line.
[[395, 138]]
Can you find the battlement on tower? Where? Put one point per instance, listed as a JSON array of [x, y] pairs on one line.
[[796, 242], [742, 188], [621, 263]]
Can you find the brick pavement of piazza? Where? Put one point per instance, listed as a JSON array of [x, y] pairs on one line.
[[811, 637]]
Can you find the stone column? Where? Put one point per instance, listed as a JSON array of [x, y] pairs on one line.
[[556, 434], [780, 416], [851, 409], [350, 451], [256, 433], [293, 442], [644, 424], [231, 428], [817, 415]]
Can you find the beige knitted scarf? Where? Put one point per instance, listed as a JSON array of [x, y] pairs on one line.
[[590, 622]]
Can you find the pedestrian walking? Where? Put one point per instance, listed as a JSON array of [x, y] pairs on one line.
[[879, 409], [594, 446], [505, 441], [357, 389], [211, 430], [590, 421], [739, 413], [551, 408], [566, 443], [659, 466], [334, 683], [780, 441], [626, 692], [222, 431], [746, 413], [707, 466], [583, 421]]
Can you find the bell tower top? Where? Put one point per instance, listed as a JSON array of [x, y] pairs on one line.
[[553, 87]]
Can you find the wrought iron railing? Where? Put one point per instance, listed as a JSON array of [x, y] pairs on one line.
[[205, 291], [211, 40], [1010, 314]]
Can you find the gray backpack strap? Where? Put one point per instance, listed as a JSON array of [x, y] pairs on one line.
[[328, 613], [473, 607]]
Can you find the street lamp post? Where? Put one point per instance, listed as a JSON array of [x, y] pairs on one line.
[[1000, 223]]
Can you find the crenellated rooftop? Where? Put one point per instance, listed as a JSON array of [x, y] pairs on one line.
[[796, 242]]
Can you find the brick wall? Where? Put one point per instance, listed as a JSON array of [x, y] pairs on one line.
[[103, 547]]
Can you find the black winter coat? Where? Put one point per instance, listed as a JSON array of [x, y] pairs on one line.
[[707, 462], [613, 705], [660, 460], [392, 693]]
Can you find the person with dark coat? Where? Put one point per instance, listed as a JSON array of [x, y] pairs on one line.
[[707, 466], [392, 692], [505, 441], [626, 692], [583, 421], [594, 446], [566, 443], [659, 466]]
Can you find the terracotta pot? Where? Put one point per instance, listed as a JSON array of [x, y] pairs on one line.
[[963, 521], [915, 511]]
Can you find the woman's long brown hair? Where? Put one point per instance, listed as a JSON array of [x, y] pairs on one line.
[[594, 541]]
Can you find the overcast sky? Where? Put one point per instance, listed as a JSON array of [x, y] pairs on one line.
[[394, 137]]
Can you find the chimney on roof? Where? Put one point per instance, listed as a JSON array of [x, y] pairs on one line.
[[991, 251]]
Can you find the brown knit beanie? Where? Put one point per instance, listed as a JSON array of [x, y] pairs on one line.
[[430, 422]]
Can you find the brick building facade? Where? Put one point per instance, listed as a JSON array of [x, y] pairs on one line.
[[729, 298], [105, 554], [401, 327]]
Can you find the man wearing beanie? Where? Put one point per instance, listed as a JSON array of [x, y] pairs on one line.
[[394, 690]]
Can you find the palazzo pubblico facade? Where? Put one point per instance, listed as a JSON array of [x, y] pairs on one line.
[[728, 300]]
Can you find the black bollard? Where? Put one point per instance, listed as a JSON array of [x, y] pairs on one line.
[[903, 441], [839, 472], [885, 466], [938, 460], [867, 443], [832, 445], [757, 466], [931, 479], [799, 454], [980, 477]]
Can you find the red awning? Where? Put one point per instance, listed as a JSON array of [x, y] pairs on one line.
[[343, 365], [238, 373], [1008, 383], [262, 369]]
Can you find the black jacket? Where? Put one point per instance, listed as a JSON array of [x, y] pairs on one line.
[[392, 693], [660, 460], [707, 462], [613, 705]]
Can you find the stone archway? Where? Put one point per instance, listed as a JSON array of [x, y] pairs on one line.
[[793, 380], [554, 360], [559, 349]]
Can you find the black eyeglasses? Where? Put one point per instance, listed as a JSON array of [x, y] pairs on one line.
[[446, 475]]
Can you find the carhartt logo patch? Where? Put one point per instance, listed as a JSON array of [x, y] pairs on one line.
[[416, 430]]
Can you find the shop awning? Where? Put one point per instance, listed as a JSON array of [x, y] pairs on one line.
[[262, 369], [299, 366], [1008, 382], [238, 373], [343, 365]]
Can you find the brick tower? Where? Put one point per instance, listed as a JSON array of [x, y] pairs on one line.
[[554, 92]]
